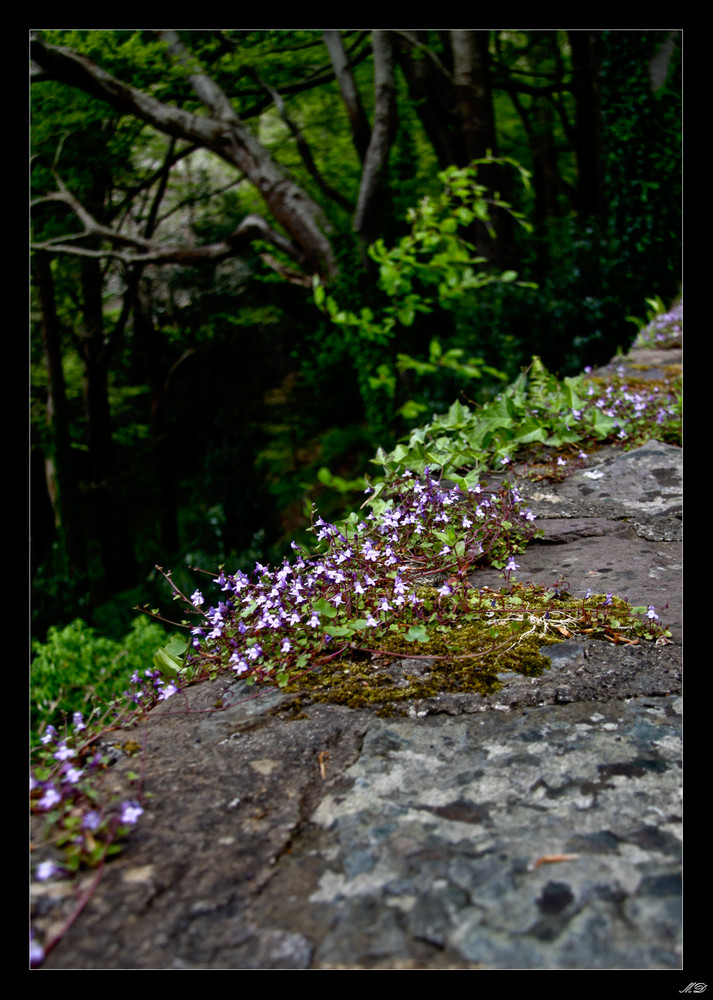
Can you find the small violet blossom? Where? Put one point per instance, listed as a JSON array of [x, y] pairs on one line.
[[91, 820], [130, 812], [49, 799], [46, 869]]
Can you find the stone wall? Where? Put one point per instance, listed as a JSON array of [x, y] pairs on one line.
[[538, 828]]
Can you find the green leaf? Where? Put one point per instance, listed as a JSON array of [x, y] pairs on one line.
[[417, 633], [166, 664], [325, 608]]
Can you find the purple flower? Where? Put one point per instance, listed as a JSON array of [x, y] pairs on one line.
[[238, 663], [49, 799], [37, 954], [130, 812], [63, 752], [91, 820], [46, 869]]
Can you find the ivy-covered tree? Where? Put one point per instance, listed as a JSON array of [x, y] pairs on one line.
[[640, 75]]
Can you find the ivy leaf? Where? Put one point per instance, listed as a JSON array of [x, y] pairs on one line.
[[417, 633], [325, 608]]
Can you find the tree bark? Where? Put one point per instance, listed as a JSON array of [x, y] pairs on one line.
[[59, 473], [358, 122], [474, 103], [368, 220], [587, 124], [431, 90], [473, 95], [117, 554]]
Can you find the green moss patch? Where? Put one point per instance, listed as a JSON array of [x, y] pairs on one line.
[[499, 632]]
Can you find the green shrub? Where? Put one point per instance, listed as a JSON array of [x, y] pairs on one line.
[[76, 670]]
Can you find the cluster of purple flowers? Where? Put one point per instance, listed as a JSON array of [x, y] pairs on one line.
[[664, 330], [61, 789], [635, 408], [150, 688], [364, 577]]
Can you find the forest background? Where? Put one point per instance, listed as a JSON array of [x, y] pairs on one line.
[[209, 208]]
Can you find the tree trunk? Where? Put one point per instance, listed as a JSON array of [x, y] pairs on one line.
[[162, 455], [373, 190], [59, 473], [587, 124], [117, 554], [431, 90], [358, 122], [474, 103]]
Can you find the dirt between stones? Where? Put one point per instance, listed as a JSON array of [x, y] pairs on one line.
[[339, 840]]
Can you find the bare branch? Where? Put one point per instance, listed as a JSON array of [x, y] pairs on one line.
[[134, 249], [412, 38], [205, 87], [226, 136], [361, 133], [305, 151]]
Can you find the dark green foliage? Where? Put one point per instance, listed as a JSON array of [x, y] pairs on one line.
[[233, 403], [76, 670], [642, 131]]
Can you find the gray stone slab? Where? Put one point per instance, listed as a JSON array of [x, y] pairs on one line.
[[441, 827], [535, 829]]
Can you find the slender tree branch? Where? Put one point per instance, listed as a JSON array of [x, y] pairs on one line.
[[305, 151], [136, 249], [359, 124], [225, 135]]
